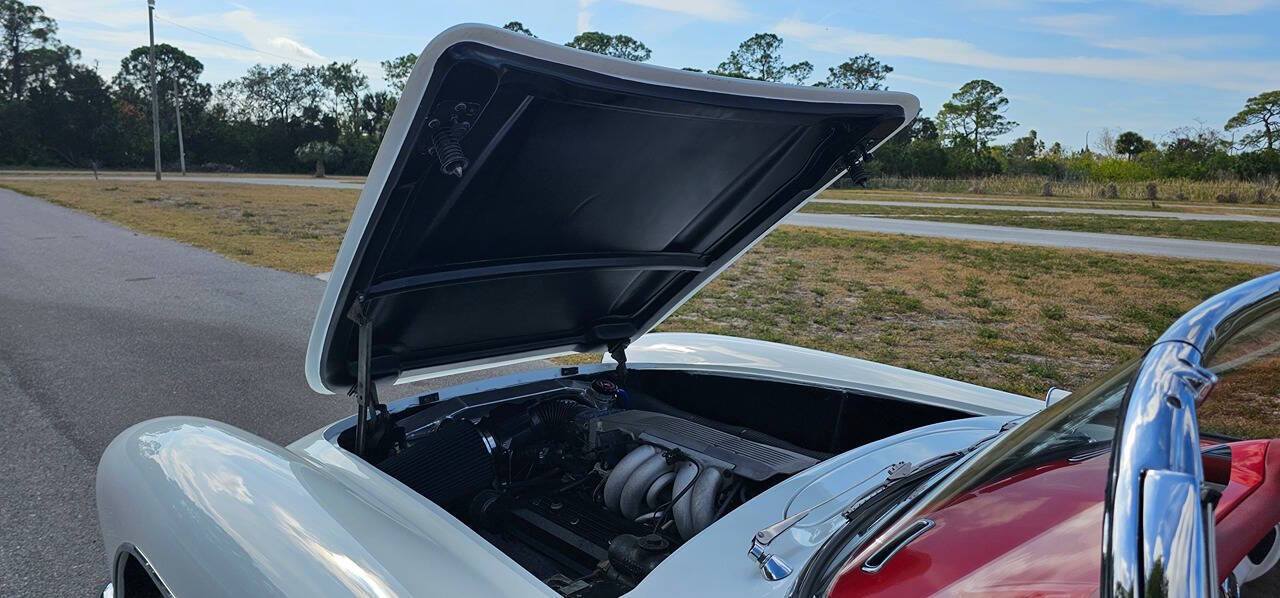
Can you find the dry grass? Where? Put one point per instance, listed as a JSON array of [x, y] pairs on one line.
[[1020, 319], [1260, 233], [1162, 205], [1016, 318], [289, 228], [172, 176], [1194, 191], [1246, 400]]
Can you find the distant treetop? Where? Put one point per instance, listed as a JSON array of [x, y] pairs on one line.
[[617, 46], [518, 27]]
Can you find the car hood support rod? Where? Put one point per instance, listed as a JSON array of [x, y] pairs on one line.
[[365, 390]]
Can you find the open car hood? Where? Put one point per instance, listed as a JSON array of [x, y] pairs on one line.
[[585, 199]]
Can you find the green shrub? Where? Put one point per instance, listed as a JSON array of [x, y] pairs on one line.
[[1122, 170]]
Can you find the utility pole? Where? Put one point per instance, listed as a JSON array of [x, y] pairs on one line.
[[177, 112], [155, 103]]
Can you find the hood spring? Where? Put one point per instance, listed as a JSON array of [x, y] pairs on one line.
[[445, 146], [446, 133]]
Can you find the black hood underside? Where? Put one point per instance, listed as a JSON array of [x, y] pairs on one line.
[[589, 207]]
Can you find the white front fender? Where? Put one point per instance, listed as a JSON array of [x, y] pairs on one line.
[[220, 512]]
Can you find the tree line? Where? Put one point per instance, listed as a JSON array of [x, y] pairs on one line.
[[958, 143], [57, 111]]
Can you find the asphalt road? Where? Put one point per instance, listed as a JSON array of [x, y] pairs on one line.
[[100, 328], [1239, 217], [1178, 248]]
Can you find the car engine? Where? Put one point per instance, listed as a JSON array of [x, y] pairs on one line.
[[585, 488]]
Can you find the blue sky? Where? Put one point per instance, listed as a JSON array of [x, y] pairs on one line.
[[1070, 68]]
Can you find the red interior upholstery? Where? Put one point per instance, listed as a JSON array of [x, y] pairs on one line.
[[1250, 506]]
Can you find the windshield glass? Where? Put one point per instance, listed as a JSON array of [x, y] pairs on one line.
[[1246, 400], [1080, 428], [1080, 425]]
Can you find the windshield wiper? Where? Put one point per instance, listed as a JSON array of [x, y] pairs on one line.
[[906, 479], [902, 472], [1073, 443]]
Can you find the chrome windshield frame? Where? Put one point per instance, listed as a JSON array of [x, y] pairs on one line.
[[1151, 533]]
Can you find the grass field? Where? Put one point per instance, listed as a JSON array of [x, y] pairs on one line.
[[290, 228], [1016, 318], [1264, 233], [144, 174], [1166, 189], [1058, 201], [1020, 319]]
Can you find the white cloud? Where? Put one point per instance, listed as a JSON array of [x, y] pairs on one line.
[[1235, 75], [118, 26], [1075, 24], [896, 76], [1216, 7], [1019, 4], [1092, 29], [110, 13], [710, 10], [584, 15], [293, 46], [1174, 44], [128, 40], [263, 35]]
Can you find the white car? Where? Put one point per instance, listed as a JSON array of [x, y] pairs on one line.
[[530, 200]]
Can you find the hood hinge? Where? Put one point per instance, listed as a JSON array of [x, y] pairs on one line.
[[373, 422], [618, 351]]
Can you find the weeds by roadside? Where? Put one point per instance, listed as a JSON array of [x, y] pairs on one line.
[[1171, 190]]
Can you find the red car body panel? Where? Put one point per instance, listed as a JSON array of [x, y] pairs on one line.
[[1039, 532], [1250, 505]]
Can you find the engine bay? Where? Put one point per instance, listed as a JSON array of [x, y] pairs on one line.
[[589, 487]]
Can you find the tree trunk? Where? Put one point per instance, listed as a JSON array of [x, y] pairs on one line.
[[319, 169]]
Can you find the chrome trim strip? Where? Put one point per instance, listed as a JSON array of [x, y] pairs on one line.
[[883, 555]]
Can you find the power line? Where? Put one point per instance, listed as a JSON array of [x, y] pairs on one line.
[[87, 19], [229, 42]]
